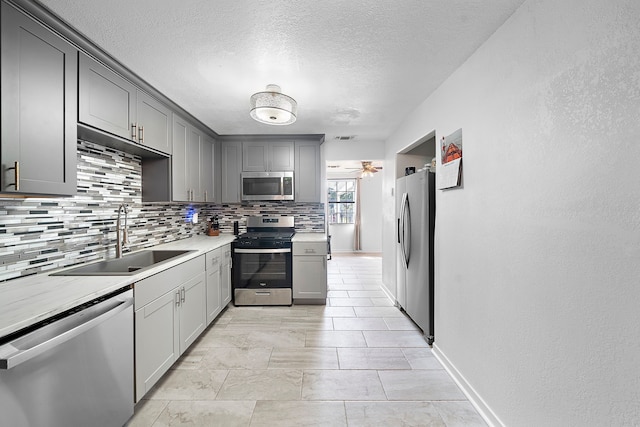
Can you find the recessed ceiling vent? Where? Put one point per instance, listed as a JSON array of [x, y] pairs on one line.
[[345, 138]]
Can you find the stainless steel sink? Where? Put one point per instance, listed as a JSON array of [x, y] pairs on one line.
[[125, 266]]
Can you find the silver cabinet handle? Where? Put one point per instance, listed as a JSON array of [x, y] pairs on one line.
[[205, 195], [309, 251], [177, 298], [16, 176], [183, 294], [141, 134], [99, 313], [133, 130]]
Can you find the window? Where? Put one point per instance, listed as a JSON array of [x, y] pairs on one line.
[[341, 199]]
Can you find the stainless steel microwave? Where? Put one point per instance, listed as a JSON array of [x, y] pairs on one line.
[[267, 186]]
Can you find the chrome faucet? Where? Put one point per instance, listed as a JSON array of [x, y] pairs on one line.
[[121, 241]]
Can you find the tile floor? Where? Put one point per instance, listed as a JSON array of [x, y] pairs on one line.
[[358, 361]]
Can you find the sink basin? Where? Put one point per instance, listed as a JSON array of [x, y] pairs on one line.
[[125, 266]]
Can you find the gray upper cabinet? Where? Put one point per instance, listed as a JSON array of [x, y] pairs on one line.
[[231, 168], [308, 175], [190, 181], [39, 104], [154, 123], [206, 169], [109, 102], [260, 156], [106, 100]]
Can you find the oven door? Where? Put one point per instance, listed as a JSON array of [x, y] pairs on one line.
[[262, 268]]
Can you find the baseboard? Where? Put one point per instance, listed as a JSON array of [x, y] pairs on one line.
[[481, 406]]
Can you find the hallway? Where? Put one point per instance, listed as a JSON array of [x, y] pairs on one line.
[[359, 361]]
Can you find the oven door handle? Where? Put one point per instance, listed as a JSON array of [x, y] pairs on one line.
[[262, 251]]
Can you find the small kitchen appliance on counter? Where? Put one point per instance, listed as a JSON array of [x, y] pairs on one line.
[[262, 263]]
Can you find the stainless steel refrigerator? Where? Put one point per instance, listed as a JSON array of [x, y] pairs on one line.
[[415, 222]]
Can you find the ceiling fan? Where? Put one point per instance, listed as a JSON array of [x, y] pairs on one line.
[[367, 169]]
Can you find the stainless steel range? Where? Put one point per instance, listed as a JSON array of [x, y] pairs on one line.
[[262, 262]]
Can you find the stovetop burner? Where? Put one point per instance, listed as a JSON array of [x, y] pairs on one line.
[[268, 235], [267, 232]]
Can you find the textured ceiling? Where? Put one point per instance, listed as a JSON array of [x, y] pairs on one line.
[[356, 67]]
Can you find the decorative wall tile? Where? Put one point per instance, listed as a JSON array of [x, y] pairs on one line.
[[37, 235]]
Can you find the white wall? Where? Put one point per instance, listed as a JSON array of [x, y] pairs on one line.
[[538, 255], [371, 214]]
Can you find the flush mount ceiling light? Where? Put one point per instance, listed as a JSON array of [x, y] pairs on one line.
[[273, 107]]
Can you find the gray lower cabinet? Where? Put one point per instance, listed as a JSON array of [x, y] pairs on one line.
[[225, 275], [214, 301], [218, 281], [170, 313], [39, 105], [310, 272], [109, 102], [231, 170], [308, 176]]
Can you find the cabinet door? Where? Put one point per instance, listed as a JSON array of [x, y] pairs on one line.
[[310, 277], [214, 302], [225, 276], [206, 170], [179, 160], [192, 310], [281, 156], [39, 105], [106, 100], [193, 165], [156, 340], [255, 157], [231, 170], [154, 123], [308, 174]]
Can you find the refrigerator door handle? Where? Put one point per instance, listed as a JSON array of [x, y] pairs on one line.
[[401, 223], [407, 233]]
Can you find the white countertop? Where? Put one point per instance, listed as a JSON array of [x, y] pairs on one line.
[[309, 237], [28, 300]]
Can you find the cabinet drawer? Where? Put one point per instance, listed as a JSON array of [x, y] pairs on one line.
[[146, 290], [310, 248]]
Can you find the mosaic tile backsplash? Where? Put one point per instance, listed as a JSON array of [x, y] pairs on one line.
[[38, 235]]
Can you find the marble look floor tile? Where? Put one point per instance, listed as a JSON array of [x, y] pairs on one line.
[[382, 414], [146, 412], [397, 339], [338, 312], [345, 287], [307, 323], [372, 358], [206, 413], [382, 302], [342, 385], [267, 384], [298, 414], [419, 385], [421, 358], [367, 294], [378, 312], [335, 339], [244, 325], [237, 358], [276, 338], [350, 302], [401, 324], [360, 324], [213, 338], [304, 358], [337, 294], [191, 358], [459, 414], [181, 384]]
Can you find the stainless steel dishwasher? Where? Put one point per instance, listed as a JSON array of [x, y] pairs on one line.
[[73, 370]]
